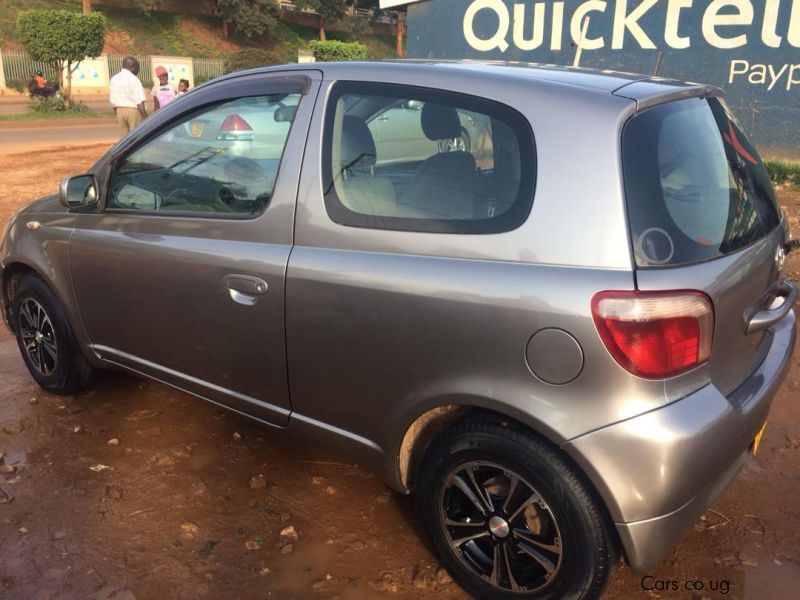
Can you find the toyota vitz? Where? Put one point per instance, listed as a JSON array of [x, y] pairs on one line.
[[564, 332]]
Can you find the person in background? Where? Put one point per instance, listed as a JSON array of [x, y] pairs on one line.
[[163, 92], [183, 87], [126, 94], [41, 82]]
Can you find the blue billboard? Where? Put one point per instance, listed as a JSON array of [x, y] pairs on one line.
[[750, 48]]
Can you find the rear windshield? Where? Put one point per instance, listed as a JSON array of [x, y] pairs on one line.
[[695, 186]]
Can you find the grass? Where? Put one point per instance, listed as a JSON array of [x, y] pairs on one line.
[[10, 8], [783, 172], [288, 38], [54, 116]]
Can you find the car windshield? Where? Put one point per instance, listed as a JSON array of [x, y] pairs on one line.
[[695, 186]]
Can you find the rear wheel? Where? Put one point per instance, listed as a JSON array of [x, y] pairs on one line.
[[46, 341], [511, 518]]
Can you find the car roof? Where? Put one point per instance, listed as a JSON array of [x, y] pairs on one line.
[[646, 90]]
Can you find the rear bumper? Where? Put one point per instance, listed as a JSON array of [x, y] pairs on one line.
[[658, 472]]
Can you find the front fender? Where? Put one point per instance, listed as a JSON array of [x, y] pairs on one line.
[[38, 242]]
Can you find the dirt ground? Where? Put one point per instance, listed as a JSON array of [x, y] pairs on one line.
[[194, 500]]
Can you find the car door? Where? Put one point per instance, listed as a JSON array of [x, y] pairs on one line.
[[179, 272]]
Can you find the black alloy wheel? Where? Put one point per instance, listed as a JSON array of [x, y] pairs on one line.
[[45, 339], [511, 516], [500, 527], [38, 337]]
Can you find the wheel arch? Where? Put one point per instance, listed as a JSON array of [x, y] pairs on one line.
[[422, 427], [12, 275]]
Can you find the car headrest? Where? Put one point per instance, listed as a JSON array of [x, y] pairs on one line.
[[358, 145], [440, 122]]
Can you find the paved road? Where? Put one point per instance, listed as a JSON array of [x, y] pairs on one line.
[[26, 139]]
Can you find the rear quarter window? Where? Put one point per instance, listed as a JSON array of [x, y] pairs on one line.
[[695, 186]]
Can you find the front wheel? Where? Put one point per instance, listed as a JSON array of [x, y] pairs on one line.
[[511, 517], [46, 341]]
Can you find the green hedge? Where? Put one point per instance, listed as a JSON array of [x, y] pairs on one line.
[[333, 50], [251, 58]]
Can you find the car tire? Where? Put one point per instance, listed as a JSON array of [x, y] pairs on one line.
[[46, 341], [548, 528]]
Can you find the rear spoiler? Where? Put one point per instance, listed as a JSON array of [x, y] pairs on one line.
[[652, 92]]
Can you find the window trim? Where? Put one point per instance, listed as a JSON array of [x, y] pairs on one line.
[[510, 220]]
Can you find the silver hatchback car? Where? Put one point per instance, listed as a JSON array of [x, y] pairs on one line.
[[563, 329]]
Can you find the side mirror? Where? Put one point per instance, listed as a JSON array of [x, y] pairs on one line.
[[284, 114], [78, 191]]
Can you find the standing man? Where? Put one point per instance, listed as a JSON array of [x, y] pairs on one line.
[[163, 92], [127, 96]]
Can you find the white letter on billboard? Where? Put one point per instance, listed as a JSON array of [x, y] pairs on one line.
[[630, 21], [671, 35], [576, 24], [498, 40], [775, 77], [791, 79], [758, 74], [794, 25], [769, 33], [734, 71], [558, 26], [537, 36], [712, 19]]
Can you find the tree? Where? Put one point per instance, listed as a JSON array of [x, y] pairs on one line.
[[61, 38], [87, 6], [400, 33], [400, 25], [328, 10], [248, 17]]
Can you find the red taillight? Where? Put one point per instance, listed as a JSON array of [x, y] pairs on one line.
[[655, 335], [235, 128], [235, 123]]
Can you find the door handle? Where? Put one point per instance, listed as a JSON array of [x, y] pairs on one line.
[[245, 289], [758, 320]]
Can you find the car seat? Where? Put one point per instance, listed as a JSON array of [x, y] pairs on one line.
[[358, 188], [445, 184]]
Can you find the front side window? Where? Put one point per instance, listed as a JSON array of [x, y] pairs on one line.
[[415, 159], [695, 186], [221, 161]]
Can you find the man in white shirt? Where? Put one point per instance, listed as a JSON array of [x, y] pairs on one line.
[[127, 96]]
